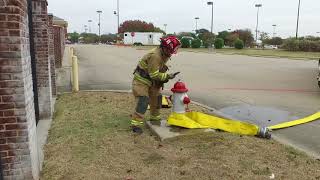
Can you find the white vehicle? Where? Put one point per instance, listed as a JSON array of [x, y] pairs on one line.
[[270, 47], [142, 38]]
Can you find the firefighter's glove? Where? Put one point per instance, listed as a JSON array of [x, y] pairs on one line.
[[164, 69], [173, 75]]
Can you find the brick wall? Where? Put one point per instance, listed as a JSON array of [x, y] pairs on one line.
[[59, 44], [51, 56], [18, 143], [41, 40]]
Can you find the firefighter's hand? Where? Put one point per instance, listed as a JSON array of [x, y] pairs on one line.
[[164, 69], [172, 76]]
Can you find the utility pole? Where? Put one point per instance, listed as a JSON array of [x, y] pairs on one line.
[[257, 6], [298, 17], [99, 24]]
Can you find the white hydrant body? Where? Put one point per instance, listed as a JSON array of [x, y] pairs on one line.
[[178, 102], [180, 99]]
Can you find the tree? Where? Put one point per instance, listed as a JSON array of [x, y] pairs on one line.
[[239, 44], [207, 38], [185, 42], [108, 38], [186, 34], [196, 43], [274, 41], [200, 31], [264, 36], [223, 35], [246, 36], [138, 26], [218, 43], [89, 38], [231, 38], [74, 37]]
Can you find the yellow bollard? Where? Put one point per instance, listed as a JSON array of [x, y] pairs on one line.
[[71, 55], [75, 74]]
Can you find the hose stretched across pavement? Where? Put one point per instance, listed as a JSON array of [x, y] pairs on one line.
[[197, 120]]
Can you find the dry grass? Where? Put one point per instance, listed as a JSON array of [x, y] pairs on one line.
[[89, 139]]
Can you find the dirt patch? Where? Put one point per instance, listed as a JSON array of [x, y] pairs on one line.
[[90, 139]]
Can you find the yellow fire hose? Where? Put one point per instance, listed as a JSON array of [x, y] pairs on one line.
[[308, 119], [197, 120]]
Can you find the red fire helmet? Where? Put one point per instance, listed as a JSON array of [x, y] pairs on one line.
[[179, 87], [172, 43]]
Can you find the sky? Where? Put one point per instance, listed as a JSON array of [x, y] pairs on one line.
[[179, 14]]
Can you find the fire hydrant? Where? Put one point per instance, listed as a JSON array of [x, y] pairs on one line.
[[180, 99]]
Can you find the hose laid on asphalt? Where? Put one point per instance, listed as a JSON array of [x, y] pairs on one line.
[[197, 120], [308, 119]]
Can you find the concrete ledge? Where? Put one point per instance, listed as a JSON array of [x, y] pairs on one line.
[[164, 132]]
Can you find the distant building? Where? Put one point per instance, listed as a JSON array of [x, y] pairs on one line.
[[142, 38]]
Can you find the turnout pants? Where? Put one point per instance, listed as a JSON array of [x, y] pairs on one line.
[[144, 96]]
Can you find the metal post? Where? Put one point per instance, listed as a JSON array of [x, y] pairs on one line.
[[99, 12], [118, 9], [274, 30], [165, 28], [196, 18], [258, 6], [89, 22], [210, 3], [298, 17], [99, 27], [212, 20], [33, 63]]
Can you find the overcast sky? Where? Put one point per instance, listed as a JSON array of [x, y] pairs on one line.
[[180, 14]]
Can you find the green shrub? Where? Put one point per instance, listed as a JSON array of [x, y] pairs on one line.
[[219, 43], [196, 43], [238, 44], [291, 44], [306, 45], [185, 43]]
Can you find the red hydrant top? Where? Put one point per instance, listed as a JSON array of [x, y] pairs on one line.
[[179, 87]]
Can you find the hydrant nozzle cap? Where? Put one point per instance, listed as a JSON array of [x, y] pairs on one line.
[[179, 87]]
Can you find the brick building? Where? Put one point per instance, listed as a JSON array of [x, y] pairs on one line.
[[27, 83], [60, 35]]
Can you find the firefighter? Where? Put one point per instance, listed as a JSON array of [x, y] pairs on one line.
[[149, 77]]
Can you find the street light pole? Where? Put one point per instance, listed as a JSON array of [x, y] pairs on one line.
[[85, 28], [118, 9], [165, 28], [99, 13], [257, 6], [89, 22], [298, 17], [274, 30], [196, 18], [210, 3]]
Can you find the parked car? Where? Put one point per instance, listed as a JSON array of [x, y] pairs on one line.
[[270, 47]]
